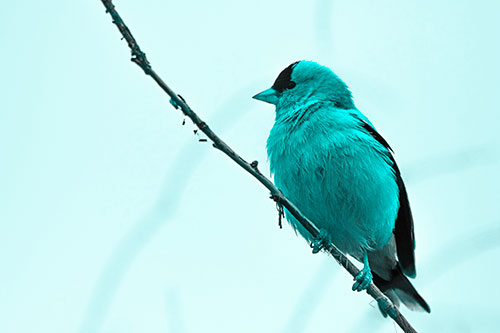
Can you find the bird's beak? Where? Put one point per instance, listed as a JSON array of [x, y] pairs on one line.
[[269, 96]]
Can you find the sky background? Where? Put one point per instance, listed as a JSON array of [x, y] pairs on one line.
[[115, 218]]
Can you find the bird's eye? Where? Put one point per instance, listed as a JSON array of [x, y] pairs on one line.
[[291, 85]]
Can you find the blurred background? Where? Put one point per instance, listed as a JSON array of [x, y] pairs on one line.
[[115, 218]]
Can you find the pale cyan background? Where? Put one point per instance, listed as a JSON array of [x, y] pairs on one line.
[[114, 218]]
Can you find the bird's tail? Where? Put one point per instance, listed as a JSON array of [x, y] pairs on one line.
[[400, 290]]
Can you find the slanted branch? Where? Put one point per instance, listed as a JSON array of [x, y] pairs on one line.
[[178, 102]]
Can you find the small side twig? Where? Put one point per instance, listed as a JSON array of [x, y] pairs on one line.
[[140, 59], [279, 208]]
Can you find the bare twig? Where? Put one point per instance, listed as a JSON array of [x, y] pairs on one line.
[[178, 102]]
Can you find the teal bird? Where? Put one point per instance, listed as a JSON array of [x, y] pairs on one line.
[[329, 160]]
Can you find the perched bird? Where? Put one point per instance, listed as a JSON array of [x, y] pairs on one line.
[[329, 160]]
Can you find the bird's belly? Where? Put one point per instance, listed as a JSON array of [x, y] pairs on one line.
[[350, 193]]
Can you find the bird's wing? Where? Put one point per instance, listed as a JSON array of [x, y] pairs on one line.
[[403, 230]]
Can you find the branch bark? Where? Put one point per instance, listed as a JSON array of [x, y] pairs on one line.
[[139, 57]]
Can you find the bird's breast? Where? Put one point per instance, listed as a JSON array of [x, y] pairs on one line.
[[338, 180]]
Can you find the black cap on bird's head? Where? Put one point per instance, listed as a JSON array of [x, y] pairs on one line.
[[284, 80], [303, 80]]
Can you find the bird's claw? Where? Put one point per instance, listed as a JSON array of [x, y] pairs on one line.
[[321, 242], [363, 279]]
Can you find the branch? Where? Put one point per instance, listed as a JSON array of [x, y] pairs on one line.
[[178, 102]]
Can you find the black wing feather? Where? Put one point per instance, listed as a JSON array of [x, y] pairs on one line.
[[403, 230]]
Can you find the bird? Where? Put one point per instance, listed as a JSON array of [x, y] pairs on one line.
[[329, 160]]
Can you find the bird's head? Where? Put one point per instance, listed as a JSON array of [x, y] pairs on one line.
[[304, 82]]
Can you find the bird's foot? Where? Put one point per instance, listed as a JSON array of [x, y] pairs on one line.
[[363, 279], [320, 242]]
